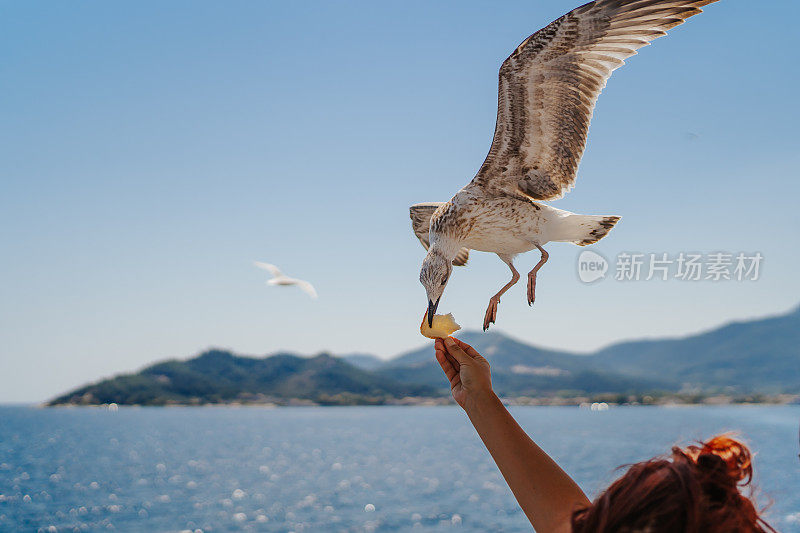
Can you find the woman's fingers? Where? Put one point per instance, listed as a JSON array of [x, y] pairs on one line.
[[453, 362], [447, 366], [456, 351], [472, 352], [454, 384]]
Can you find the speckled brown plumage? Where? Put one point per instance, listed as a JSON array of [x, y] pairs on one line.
[[549, 85], [421, 221]]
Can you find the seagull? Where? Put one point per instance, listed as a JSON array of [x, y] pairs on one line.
[[279, 278], [547, 92]]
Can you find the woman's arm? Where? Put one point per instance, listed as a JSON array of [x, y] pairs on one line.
[[547, 495]]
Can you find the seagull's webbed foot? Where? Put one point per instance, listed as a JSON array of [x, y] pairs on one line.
[[531, 288], [532, 275], [491, 313]]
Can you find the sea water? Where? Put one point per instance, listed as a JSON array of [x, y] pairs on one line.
[[337, 469]]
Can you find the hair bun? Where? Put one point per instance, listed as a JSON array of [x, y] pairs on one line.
[[724, 452]]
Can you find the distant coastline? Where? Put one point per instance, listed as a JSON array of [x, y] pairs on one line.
[[519, 401], [748, 362]]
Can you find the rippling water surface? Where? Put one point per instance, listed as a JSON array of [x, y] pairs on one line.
[[335, 469]]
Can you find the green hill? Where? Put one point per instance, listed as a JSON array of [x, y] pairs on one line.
[[219, 376]]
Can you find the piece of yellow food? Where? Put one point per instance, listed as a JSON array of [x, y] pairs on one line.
[[443, 326]]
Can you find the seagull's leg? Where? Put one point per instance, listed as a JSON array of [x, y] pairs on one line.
[[532, 274], [491, 311]]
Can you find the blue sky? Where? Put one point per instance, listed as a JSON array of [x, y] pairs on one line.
[[151, 151]]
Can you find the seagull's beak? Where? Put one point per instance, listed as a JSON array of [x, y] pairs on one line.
[[432, 311]]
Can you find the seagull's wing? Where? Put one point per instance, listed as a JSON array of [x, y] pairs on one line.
[[421, 224], [421, 220], [307, 288], [549, 86], [271, 268]]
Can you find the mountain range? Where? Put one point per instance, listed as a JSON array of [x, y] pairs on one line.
[[219, 376], [748, 357]]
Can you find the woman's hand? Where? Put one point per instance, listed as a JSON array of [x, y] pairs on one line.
[[467, 370]]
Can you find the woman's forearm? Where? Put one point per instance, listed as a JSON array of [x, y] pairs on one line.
[[547, 495]]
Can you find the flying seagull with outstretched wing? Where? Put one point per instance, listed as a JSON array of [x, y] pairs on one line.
[[279, 278], [547, 92]]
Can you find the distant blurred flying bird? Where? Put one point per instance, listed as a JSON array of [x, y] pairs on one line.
[[279, 278]]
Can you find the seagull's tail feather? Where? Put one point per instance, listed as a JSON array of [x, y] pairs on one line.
[[594, 228], [586, 229]]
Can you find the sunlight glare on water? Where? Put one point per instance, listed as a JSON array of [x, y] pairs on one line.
[[336, 469]]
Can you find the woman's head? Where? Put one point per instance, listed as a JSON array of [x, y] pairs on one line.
[[696, 489]]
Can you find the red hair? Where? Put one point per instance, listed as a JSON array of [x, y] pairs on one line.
[[696, 490]]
